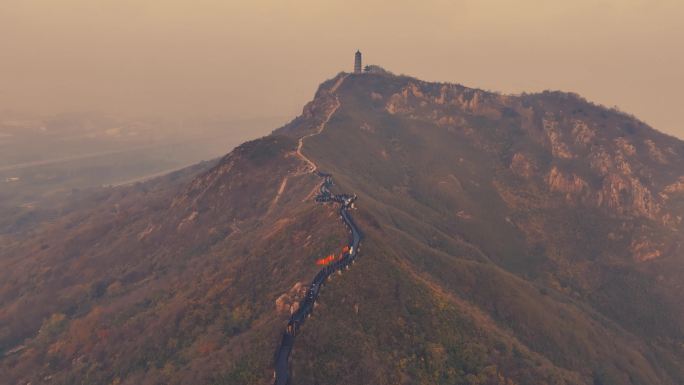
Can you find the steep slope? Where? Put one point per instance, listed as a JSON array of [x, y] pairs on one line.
[[555, 222], [531, 239], [190, 284]]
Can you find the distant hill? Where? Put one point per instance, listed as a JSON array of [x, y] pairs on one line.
[[531, 239], [44, 160]]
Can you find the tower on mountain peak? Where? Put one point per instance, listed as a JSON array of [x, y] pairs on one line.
[[357, 62]]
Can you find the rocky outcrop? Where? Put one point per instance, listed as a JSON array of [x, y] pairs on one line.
[[416, 95], [610, 158], [523, 166], [570, 184], [558, 148], [582, 133], [600, 161], [674, 188], [620, 191], [627, 195], [625, 146], [644, 250], [288, 302]]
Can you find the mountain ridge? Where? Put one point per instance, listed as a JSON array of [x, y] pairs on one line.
[[530, 239], [628, 199]]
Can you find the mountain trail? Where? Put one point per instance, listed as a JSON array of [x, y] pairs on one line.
[[281, 374], [333, 89], [275, 200]]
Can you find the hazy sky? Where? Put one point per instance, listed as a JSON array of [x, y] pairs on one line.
[[246, 58]]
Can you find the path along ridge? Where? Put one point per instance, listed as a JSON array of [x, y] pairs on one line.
[[346, 201]]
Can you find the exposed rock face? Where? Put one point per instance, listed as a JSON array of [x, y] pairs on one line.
[[643, 250], [522, 166], [626, 194], [558, 148], [674, 188], [620, 180], [288, 302], [600, 161], [621, 194], [577, 184], [491, 223], [582, 133], [416, 96], [625, 146], [572, 185]]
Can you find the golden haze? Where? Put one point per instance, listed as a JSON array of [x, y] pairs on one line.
[[240, 59]]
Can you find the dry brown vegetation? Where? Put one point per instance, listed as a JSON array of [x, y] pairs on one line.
[[509, 240]]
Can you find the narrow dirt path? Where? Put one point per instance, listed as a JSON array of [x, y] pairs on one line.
[[313, 167], [282, 357]]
